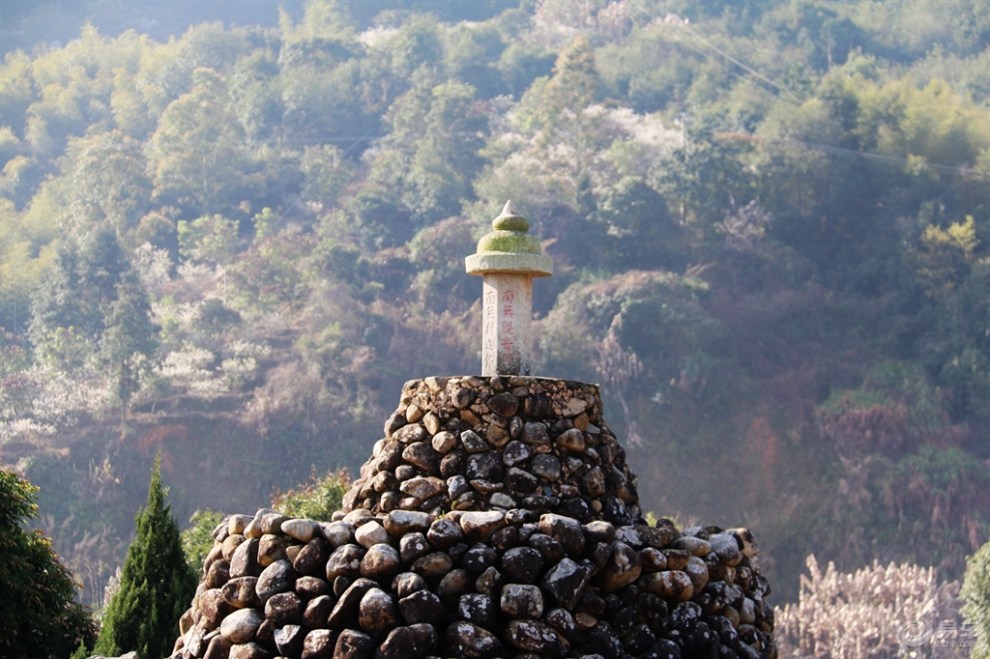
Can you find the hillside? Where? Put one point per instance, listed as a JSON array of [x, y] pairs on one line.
[[770, 225]]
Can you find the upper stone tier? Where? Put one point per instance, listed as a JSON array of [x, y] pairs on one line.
[[499, 443]]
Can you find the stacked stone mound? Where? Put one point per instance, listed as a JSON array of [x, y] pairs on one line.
[[496, 518], [497, 444]]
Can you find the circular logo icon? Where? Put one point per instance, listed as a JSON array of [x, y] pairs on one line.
[[913, 634]]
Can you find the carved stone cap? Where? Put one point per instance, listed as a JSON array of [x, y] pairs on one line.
[[509, 249]]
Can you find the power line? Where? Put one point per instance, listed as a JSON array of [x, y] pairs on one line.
[[737, 62], [960, 171]]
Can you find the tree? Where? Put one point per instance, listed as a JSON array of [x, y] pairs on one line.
[[208, 239], [197, 156], [78, 295], [641, 230], [472, 55], [129, 338], [555, 109], [976, 593], [106, 180], [156, 585], [432, 155], [39, 615]]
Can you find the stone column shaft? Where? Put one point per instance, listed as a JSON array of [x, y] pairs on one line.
[[507, 338]]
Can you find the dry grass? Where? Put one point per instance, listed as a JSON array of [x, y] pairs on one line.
[[876, 612]]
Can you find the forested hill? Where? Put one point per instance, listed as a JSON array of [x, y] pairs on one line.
[[769, 219]]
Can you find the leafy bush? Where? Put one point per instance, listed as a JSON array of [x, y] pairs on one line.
[[197, 539], [318, 499], [976, 593]]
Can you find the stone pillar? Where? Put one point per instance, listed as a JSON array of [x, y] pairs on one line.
[[508, 258]]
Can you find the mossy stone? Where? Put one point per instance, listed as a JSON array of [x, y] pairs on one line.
[[509, 242], [511, 223]]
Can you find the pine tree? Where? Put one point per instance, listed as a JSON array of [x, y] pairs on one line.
[[156, 585]]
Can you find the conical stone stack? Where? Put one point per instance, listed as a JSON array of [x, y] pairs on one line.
[[498, 443], [495, 518]]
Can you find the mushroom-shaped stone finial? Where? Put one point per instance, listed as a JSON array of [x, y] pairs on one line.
[[509, 248]]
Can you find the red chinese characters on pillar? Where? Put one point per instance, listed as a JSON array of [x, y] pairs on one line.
[[506, 338]]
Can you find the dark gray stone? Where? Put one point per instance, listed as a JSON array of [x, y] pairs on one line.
[[445, 532], [318, 644], [289, 640], [422, 606], [240, 592], [344, 561], [478, 558], [477, 608], [522, 564], [279, 577], [521, 601], [317, 611], [352, 644], [244, 562], [407, 583], [311, 587], [417, 640], [312, 558], [515, 452], [284, 609], [466, 639], [484, 466], [345, 611], [537, 637], [546, 466], [377, 612], [565, 582]]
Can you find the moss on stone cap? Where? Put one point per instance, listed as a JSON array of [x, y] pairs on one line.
[[509, 234], [509, 248]]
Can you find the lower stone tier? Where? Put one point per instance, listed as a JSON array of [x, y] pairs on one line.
[[513, 583]]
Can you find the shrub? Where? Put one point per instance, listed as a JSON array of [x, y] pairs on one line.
[[318, 499], [976, 594]]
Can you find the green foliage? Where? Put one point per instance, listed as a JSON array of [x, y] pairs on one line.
[[198, 157], [269, 275], [129, 339], [91, 295], [976, 593], [317, 499], [326, 171], [156, 585], [642, 233], [106, 180], [208, 239], [197, 538], [432, 153], [40, 617]]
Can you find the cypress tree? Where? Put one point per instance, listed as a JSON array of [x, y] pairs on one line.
[[156, 584]]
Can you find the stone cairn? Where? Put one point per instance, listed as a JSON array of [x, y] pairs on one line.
[[496, 518]]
